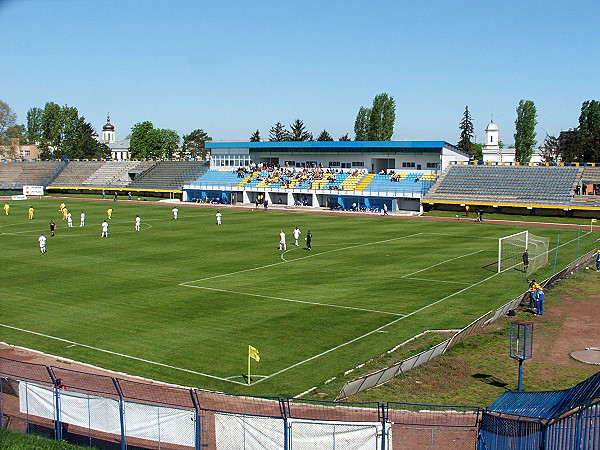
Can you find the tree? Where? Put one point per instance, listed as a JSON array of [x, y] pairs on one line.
[[278, 133], [361, 124], [525, 130], [51, 130], [466, 132], [589, 129], [169, 142], [382, 118], [298, 132], [477, 152], [344, 138], [324, 136], [8, 118], [34, 125], [82, 144], [194, 144], [550, 150], [149, 142], [143, 142], [568, 146], [255, 136], [589, 119], [17, 132]]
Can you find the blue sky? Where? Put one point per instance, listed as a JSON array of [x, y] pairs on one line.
[[233, 67]]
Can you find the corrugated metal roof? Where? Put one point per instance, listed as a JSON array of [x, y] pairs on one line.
[[548, 404], [316, 145]]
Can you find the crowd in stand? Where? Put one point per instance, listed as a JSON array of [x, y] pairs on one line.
[[290, 177]]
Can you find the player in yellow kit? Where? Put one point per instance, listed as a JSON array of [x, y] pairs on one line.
[[6, 208], [109, 213], [30, 212]]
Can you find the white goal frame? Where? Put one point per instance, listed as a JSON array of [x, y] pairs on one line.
[[536, 246], [525, 233]]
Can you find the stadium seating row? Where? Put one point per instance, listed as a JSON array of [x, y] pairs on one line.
[[501, 184]]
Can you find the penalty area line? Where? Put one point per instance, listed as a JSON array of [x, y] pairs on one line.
[[122, 355], [312, 255], [293, 301]]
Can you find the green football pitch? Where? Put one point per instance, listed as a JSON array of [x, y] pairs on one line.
[[181, 300]]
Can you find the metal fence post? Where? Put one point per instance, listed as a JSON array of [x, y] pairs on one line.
[[286, 429], [556, 254], [121, 412], [198, 440], [57, 424], [383, 418], [578, 241], [1, 403]]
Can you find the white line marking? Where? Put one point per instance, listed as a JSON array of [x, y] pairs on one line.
[[116, 353], [436, 281], [295, 301], [285, 369], [443, 262], [312, 255], [384, 326], [266, 377]]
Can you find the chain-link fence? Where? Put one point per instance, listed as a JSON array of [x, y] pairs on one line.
[[107, 412]]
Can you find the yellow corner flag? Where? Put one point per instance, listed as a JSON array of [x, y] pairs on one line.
[[253, 353], [593, 221]]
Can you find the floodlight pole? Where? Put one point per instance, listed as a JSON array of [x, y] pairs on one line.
[[521, 345], [520, 384]]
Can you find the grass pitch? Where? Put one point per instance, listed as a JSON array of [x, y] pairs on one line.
[[181, 300]]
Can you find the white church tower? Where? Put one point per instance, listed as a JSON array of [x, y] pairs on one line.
[[108, 132], [492, 151], [491, 133]]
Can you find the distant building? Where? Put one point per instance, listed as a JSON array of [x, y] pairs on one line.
[[370, 156], [16, 151], [493, 153], [108, 132], [119, 150]]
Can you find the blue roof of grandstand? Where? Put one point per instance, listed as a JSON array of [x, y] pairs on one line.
[[337, 145], [548, 404]]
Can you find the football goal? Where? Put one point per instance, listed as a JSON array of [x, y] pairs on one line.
[[523, 251]]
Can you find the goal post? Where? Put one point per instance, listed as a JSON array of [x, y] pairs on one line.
[[524, 250]]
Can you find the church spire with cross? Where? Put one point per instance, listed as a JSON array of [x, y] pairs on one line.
[[108, 131]]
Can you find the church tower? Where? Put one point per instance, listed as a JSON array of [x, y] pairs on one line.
[[491, 133], [108, 132]]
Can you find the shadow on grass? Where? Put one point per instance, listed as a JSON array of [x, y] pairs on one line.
[[490, 379]]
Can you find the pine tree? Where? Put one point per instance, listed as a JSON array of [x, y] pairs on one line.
[[324, 136], [298, 132], [278, 133], [255, 136], [466, 132]]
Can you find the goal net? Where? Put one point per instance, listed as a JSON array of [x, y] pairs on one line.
[[523, 251]]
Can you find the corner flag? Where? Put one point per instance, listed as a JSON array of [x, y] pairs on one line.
[[253, 353], [593, 221]]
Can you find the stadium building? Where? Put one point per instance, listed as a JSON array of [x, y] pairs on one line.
[[337, 174]]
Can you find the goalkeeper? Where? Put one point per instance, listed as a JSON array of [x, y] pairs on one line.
[[525, 260]]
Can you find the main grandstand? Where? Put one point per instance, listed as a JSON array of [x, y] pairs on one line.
[[412, 176]]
